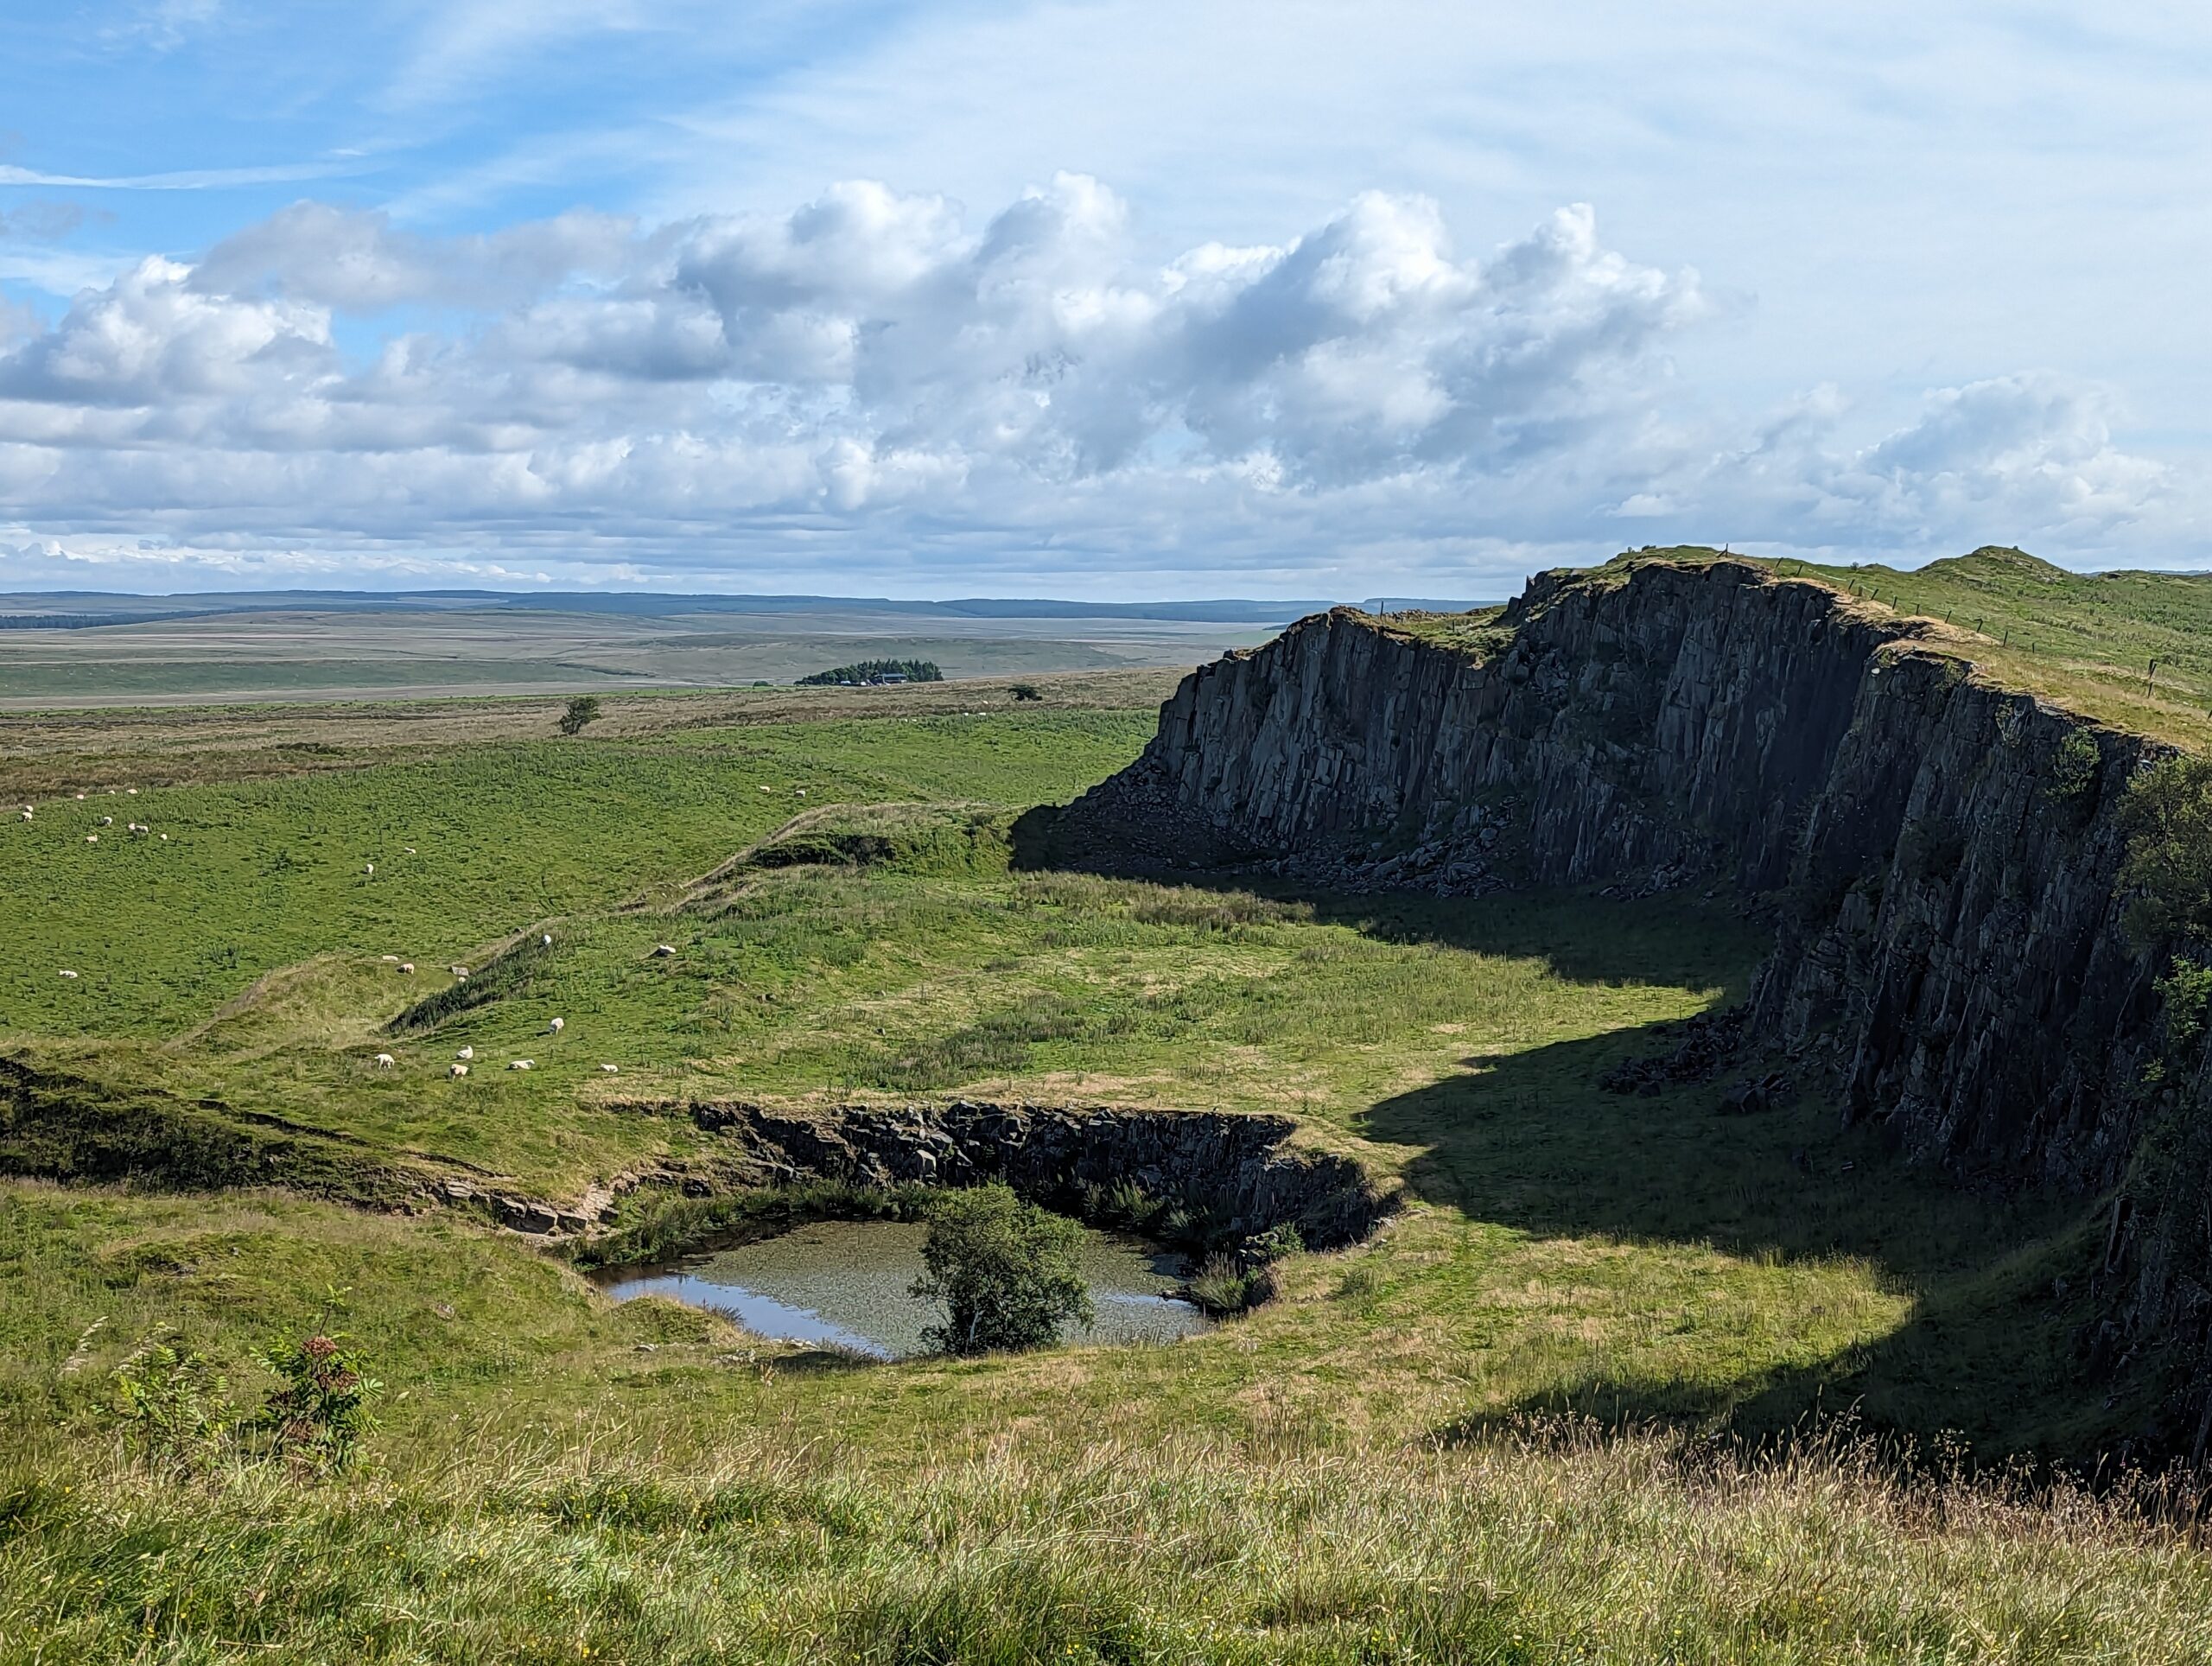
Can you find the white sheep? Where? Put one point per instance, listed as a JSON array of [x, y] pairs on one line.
[[466, 1052], [91, 838], [611, 1069], [66, 973], [80, 797], [556, 1026], [368, 870], [457, 1070], [385, 1061], [801, 791], [764, 789], [389, 960], [662, 950], [406, 965], [27, 813], [547, 940], [520, 1064], [107, 821], [131, 791]]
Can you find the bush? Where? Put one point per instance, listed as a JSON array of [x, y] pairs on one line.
[[321, 1410], [1006, 1272], [584, 708], [1025, 691], [172, 1403], [2167, 818], [1222, 1285]]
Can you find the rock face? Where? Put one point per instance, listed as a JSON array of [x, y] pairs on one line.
[[1941, 853], [1241, 1167]]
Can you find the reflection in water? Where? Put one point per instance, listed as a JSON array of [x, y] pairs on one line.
[[847, 1284]]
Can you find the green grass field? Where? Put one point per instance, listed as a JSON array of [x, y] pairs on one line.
[[1521, 1424]]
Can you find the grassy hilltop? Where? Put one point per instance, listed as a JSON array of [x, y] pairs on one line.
[[1495, 1432]]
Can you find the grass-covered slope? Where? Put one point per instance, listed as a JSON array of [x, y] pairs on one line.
[[1359, 1470]]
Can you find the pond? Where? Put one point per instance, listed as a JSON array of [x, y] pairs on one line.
[[847, 1284]]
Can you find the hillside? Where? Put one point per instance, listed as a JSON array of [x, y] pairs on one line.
[[1469, 908]]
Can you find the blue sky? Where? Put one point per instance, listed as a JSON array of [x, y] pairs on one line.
[[1099, 299]]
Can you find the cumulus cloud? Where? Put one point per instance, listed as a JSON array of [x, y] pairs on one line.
[[877, 376]]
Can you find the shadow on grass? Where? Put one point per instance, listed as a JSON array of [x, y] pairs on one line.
[[2002, 1285]]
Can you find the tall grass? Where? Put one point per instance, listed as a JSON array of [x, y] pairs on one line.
[[1542, 1543]]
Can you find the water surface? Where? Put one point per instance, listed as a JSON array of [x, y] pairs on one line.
[[847, 1284]]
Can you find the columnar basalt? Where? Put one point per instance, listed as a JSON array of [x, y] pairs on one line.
[[1941, 864], [1244, 1170]]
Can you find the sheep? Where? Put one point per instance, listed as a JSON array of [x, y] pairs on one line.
[[406, 966], [91, 838], [106, 821], [389, 960], [165, 838], [466, 1052], [611, 1069], [410, 849], [556, 1026], [457, 1070], [80, 797], [27, 812], [520, 1064], [66, 972], [368, 870], [546, 942], [662, 950], [800, 790], [130, 791], [385, 1061], [764, 789]]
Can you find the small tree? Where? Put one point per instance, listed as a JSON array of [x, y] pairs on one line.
[[1006, 1272], [322, 1408], [584, 708], [2168, 816]]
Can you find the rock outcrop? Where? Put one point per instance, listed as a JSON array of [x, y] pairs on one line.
[[1941, 853], [1242, 1170]]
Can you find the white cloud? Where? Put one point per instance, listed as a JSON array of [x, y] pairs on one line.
[[883, 382]]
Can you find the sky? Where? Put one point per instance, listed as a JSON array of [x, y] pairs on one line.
[[1106, 299]]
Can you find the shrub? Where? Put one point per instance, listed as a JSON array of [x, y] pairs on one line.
[[2186, 992], [2168, 819], [172, 1403], [2074, 769], [1025, 691], [1222, 1285], [322, 1409], [1278, 1241], [1006, 1272], [584, 708]]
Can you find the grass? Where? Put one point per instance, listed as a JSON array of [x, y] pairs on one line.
[[2086, 641], [1506, 1428]]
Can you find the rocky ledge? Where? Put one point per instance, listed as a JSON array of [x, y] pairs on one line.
[[1243, 1170]]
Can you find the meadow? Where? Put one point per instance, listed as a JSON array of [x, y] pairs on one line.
[[1578, 1399]]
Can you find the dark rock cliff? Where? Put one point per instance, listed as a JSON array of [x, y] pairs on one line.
[[1242, 1169], [1941, 854]]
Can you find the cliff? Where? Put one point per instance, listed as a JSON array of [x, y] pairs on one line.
[[1940, 854]]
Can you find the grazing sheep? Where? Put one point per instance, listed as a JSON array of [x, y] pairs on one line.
[[107, 821], [556, 1026], [410, 849], [520, 1064], [611, 1069], [66, 973], [406, 965], [385, 1061], [390, 960], [662, 950], [26, 814], [801, 791], [368, 870], [130, 791], [91, 838], [547, 940], [457, 1070], [165, 838], [765, 789], [80, 797], [466, 1052]]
